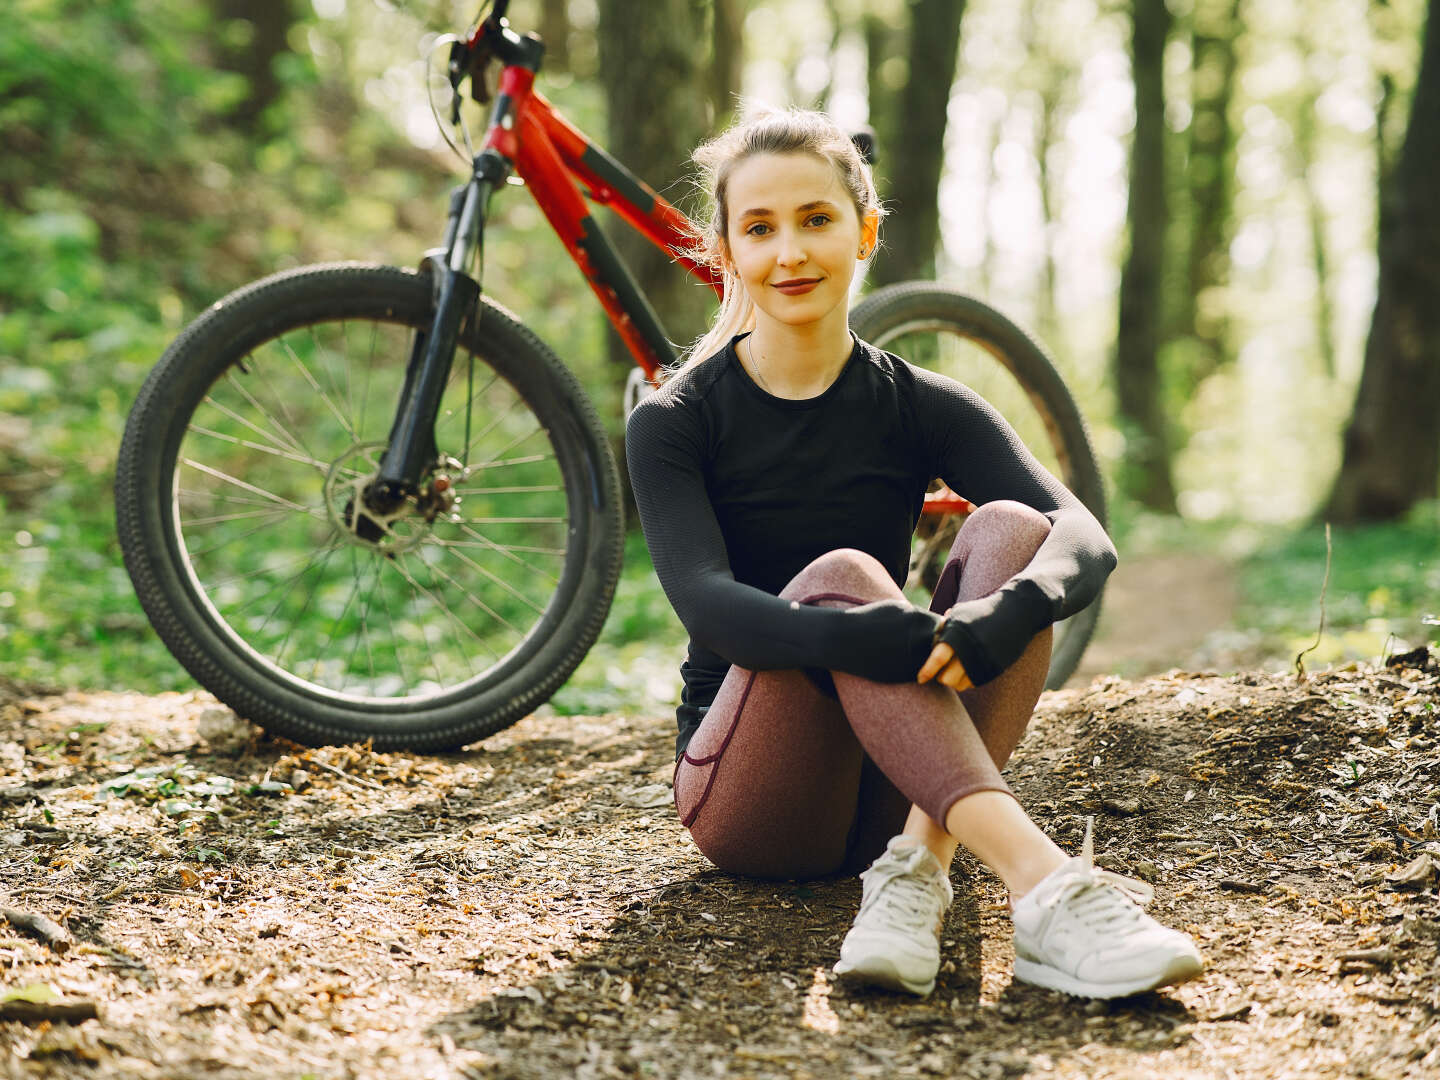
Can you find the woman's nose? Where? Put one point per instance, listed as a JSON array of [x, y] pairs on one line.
[[792, 249]]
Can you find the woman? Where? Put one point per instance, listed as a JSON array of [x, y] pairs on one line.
[[826, 721]]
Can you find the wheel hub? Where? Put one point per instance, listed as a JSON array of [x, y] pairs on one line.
[[376, 517]]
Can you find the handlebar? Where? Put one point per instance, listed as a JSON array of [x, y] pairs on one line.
[[491, 39]]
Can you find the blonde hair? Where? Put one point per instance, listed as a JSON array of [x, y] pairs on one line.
[[765, 131]]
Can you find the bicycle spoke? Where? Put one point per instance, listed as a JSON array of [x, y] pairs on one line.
[[262, 372], [238, 516], [508, 552], [363, 620], [440, 603], [529, 460], [196, 553], [503, 548], [490, 427], [207, 470], [295, 622], [510, 490], [287, 455], [501, 582], [314, 385], [309, 558], [335, 626], [516, 521]]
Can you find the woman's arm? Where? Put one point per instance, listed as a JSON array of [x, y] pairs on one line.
[[886, 641], [978, 454]]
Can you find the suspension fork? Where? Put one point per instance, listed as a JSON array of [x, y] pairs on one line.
[[410, 448]]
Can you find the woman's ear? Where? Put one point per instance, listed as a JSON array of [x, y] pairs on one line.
[[723, 250], [869, 233]]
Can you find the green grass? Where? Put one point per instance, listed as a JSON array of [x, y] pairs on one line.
[[635, 665], [1383, 594]]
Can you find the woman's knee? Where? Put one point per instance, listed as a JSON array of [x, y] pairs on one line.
[[845, 572], [1004, 525]]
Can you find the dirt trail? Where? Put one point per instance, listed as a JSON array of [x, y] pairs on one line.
[[237, 907], [1158, 612]]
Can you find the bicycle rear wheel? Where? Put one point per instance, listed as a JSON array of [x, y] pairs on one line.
[[944, 330], [240, 509]]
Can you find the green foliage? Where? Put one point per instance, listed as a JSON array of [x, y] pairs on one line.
[[636, 662], [1383, 594]]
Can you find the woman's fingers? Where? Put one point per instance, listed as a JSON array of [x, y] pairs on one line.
[[939, 656], [955, 677]]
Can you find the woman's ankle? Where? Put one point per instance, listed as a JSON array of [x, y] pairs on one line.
[[920, 827], [996, 830]]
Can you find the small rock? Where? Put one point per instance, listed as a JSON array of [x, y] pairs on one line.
[[1417, 874], [223, 730], [1123, 806], [1414, 928], [299, 779], [1146, 870], [934, 1062], [647, 796]]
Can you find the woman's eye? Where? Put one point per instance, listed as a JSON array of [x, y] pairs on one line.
[[754, 230], [823, 219]]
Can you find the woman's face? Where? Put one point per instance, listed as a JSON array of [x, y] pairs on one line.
[[793, 237]]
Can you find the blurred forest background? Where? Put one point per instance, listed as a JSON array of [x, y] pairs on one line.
[[1221, 216]]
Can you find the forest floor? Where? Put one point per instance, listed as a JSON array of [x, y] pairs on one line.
[[235, 906]]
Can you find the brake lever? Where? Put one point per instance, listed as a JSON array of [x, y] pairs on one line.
[[457, 68]]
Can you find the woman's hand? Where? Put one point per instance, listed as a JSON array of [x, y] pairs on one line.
[[942, 666]]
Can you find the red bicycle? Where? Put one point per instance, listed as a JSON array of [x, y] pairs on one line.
[[361, 502]]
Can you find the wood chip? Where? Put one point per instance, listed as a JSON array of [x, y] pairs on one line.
[[1236, 885], [33, 1012], [47, 930]]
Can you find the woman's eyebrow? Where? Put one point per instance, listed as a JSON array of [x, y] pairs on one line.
[[818, 204]]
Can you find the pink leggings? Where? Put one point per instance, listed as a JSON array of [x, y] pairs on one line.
[[785, 780]]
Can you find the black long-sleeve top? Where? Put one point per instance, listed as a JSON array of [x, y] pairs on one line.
[[739, 490]]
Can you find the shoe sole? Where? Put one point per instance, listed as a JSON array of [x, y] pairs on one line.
[[1180, 969], [879, 971]]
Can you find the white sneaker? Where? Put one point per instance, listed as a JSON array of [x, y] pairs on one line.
[[1081, 931], [895, 941]]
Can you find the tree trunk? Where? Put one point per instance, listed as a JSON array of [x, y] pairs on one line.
[[654, 78], [1305, 148], [555, 31], [1211, 171], [911, 160], [656, 96], [252, 33], [729, 61], [1391, 456], [1146, 474], [1051, 89]]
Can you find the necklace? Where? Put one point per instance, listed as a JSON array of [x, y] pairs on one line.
[[755, 367]]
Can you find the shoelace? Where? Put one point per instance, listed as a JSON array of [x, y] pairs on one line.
[[901, 894], [1100, 897]]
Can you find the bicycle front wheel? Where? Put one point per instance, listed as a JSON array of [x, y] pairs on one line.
[[944, 330], [240, 504]]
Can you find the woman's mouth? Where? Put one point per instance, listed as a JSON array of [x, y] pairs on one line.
[[796, 286]]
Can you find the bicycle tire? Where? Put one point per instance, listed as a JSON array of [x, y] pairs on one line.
[[904, 317], [262, 417]]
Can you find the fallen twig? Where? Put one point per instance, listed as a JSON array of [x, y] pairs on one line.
[[1324, 585], [47, 930], [1236, 885], [32, 1012], [345, 775]]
